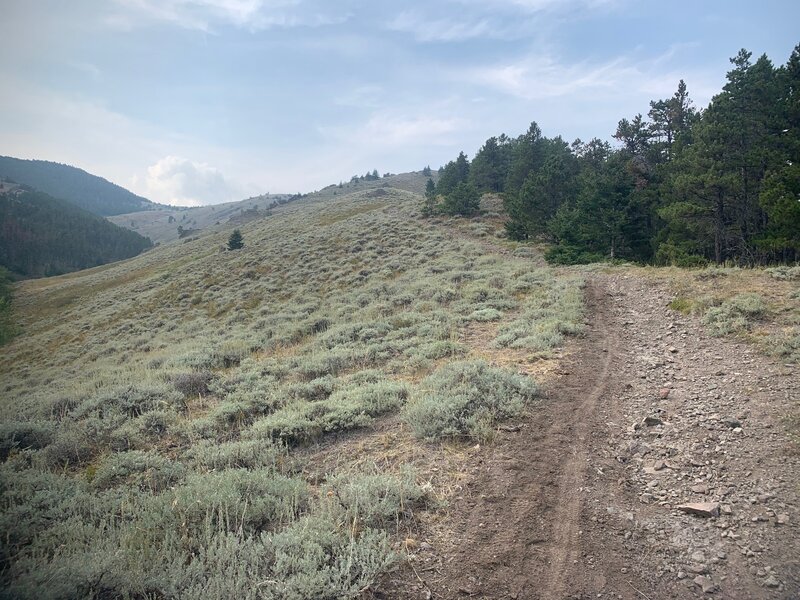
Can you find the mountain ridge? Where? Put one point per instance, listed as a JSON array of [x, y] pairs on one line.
[[90, 192]]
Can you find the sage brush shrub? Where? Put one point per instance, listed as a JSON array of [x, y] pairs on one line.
[[375, 499], [23, 435], [208, 455], [144, 470], [735, 315], [462, 399]]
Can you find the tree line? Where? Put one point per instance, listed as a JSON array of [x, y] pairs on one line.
[[42, 236], [684, 186]]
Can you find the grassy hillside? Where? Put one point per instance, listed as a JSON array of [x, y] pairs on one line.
[[162, 225], [268, 422], [83, 189], [44, 236]]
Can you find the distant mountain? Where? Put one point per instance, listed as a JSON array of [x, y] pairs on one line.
[[41, 235], [83, 189]]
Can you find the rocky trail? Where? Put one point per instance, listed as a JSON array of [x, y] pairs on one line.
[[657, 465]]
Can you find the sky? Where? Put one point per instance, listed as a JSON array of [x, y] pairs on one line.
[[193, 102]]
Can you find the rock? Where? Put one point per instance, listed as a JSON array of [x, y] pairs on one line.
[[705, 583], [697, 568], [772, 582], [731, 422], [782, 519], [652, 421], [673, 350], [701, 488], [659, 465], [663, 393], [700, 509]]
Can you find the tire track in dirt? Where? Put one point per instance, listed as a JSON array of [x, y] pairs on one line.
[[516, 530], [564, 546]]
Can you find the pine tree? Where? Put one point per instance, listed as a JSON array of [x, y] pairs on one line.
[[464, 200], [429, 204], [235, 242]]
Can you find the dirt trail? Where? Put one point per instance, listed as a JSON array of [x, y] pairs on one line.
[[578, 500]]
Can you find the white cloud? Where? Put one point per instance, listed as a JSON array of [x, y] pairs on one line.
[[448, 29], [204, 15], [182, 182], [387, 129], [540, 77]]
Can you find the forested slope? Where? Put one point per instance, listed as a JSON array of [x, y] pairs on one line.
[[42, 236], [686, 187], [83, 189]]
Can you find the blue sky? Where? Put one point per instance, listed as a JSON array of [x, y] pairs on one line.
[[205, 101]]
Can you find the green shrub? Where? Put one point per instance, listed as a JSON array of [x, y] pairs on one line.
[[145, 470], [552, 310], [734, 315], [193, 383], [73, 446], [316, 389], [785, 273], [208, 455], [239, 499], [25, 435], [131, 400], [485, 314], [464, 398], [375, 499]]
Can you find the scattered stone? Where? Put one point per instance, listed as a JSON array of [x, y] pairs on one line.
[[782, 519], [700, 509], [697, 568], [652, 421], [731, 422], [772, 582], [705, 583]]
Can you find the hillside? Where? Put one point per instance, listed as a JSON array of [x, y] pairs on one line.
[[44, 236], [87, 191], [161, 225], [361, 403]]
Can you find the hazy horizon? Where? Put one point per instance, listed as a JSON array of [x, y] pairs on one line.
[[191, 102]]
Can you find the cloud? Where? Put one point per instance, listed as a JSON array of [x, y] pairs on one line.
[[388, 129], [182, 182], [447, 29], [540, 77], [205, 15]]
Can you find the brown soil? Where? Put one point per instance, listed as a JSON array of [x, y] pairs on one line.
[[578, 499]]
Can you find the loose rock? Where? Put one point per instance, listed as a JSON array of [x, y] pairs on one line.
[[700, 509]]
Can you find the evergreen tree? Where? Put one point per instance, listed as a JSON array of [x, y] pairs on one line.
[[489, 168], [429, 204], [526, 157], [235, 242], [464, 200], [454, 172]]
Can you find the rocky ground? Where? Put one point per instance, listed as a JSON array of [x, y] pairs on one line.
[[660, 464]]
